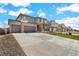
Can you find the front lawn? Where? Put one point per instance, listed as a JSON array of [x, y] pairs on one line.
[[65, 35], [75, 32]]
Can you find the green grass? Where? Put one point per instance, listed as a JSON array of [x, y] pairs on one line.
[[75, 32], [65, 35]]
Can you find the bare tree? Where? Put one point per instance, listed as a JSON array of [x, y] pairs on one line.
[[5, 24]]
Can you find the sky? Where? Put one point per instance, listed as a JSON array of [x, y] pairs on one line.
[[67, 13]]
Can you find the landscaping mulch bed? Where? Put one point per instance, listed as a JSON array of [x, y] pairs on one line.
[[10, 47]]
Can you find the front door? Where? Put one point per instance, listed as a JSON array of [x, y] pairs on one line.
[[38, 28]]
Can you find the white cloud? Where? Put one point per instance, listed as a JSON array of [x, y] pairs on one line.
[[22, 10], [2, 10], [69, 20], [4, 24], [5, 3], [40, 1], [72, 8], [73, 22], [13, 13], [20, 4], [41, 13]]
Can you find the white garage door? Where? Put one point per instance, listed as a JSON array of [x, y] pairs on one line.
[[29, 29], [15, 28]]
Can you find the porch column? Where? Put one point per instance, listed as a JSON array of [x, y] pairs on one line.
[[50, 29], [22, 28], [36, 28], [42, 27], [10, 28]]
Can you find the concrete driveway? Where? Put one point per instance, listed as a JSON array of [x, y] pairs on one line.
[[42, 44]]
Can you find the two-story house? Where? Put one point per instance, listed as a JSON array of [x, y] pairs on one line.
[[25, 23]]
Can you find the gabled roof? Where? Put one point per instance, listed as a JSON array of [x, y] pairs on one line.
[[41, 18], [11, 20], [23, 15], [30, 16]]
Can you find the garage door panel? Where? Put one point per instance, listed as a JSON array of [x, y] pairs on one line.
[[16, 28], [29, 29]]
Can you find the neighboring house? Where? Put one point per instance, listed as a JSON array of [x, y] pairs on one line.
[[55, 27], [63, 28], [69, 28], [2, 31], [25, 23]]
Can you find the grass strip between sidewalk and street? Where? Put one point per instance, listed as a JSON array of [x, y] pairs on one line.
[[65, 35]]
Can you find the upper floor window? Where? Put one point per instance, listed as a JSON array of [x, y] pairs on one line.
[[45, 21]]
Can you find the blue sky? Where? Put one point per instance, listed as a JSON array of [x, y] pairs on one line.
[[67, 13]]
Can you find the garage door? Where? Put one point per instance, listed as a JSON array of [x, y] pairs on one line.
[[15, 28], [29, 29]]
